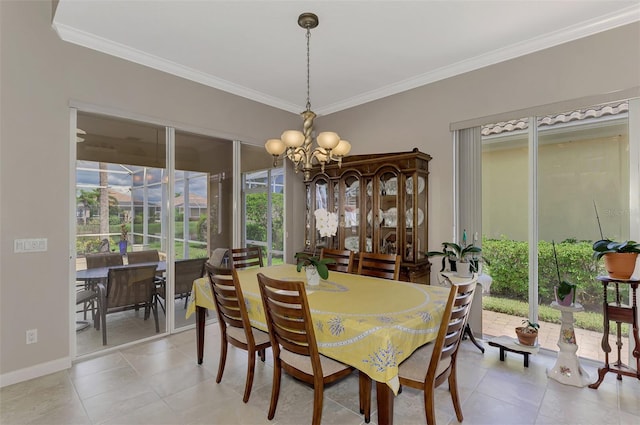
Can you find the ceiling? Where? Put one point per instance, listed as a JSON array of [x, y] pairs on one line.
[[361, 51]]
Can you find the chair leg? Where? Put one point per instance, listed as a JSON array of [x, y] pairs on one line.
[[318, 397], [453, 389], [275, 388], [155, 315], [430, 406], [263, 354], [365, 395], [251, 364], [223, 356], [186, 300]]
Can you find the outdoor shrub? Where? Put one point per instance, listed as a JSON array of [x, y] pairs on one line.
[[509, 270]]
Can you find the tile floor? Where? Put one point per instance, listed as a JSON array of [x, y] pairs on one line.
[[159, 382]]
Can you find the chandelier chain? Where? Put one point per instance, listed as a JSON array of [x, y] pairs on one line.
[[308, 71]]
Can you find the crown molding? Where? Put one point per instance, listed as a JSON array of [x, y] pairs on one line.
[[607, 22]]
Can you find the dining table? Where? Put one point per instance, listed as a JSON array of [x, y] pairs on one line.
[[369, 323]]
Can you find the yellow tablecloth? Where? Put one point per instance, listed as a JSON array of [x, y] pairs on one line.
[[369, 323]]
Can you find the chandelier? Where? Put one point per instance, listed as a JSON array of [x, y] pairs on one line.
[[297, 145]]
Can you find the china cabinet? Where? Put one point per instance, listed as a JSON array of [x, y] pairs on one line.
[[381, 204]]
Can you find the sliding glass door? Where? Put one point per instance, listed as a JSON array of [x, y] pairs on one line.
[[548, 193], [120, 170]]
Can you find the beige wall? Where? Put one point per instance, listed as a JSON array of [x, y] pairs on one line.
[[571, 177], [40, 75]]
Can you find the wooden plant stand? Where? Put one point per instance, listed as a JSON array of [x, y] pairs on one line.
[[508, 344], [619, 313]]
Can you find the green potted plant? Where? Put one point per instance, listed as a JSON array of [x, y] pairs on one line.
[[459, 257], [124, 232], [565, 291], [315, 267], [619, 257], [528, 333]]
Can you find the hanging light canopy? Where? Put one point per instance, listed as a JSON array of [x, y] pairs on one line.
[[297, 145]]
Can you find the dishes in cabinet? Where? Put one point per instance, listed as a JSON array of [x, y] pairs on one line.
[[409, 217], [369, 218], [390, 187], [352, 243], [353, 188], [421, 184], [391, 217]]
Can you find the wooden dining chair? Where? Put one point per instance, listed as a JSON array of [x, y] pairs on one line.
[[147, 256], [103, 259], [235, 328], [242, 258], [294, 346], [433, 364], [343, 259], [386, 266], [127, 288]]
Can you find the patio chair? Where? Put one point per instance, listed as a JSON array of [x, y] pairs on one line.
[[233, 319], [147, 256], [294, 346], [127, 287], [243, 258], [186, 271], [103, 259], [386, 266], [343, 258]]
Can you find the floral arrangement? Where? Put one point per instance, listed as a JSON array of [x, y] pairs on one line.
[[124, 232], [326, 222]]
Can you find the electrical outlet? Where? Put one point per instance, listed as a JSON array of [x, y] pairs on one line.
[[32, 336]]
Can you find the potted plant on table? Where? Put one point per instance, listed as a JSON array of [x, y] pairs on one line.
[[124, 232], [619, 257], [527, 334], [315, 268], [458, 257]]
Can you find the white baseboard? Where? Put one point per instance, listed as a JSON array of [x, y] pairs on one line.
[[34, 371]]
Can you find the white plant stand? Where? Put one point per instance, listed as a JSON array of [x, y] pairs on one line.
[[567, 369]]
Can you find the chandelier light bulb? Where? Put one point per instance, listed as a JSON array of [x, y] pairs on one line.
[[275, 147], [292, 138], [342, 149], [328, 139]]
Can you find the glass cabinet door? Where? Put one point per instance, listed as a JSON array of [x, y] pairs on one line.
[[387, 215], [350, 217], [415, 217], [320, 199]]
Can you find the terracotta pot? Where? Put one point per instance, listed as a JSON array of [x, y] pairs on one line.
[[525, 338], [620, 265]]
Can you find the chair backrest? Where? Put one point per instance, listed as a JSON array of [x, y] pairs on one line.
[[286, 310], [229, 300], [386, 266], [186, 271], [243, 258], [450, 333], [103, 259], [130, 285], [343, 258], [148, 256]]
